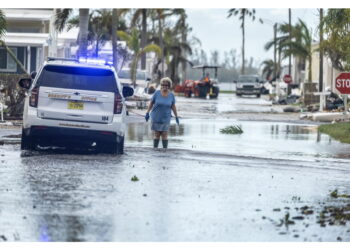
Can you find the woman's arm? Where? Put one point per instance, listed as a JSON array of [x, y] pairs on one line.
[[173, 107], [150, 106]]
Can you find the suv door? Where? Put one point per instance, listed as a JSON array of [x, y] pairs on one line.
[[76, 93]]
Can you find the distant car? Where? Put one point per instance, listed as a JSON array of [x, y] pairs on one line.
[[75, 103], [248, 85]]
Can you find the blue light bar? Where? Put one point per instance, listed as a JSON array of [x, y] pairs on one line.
[[94, 61]]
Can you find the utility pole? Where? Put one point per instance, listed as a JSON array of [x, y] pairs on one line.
[[320, 84], [290, 40]]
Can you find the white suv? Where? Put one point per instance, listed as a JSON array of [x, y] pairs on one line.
[[72, 103]]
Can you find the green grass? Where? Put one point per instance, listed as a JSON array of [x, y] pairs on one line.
[[227, 91], [339, 131]]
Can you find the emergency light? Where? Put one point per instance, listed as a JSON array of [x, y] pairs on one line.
[[95, 61]]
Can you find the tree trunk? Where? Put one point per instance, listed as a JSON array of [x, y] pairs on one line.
[[115, 38], [83, 31], [243, 44], [310, 68], [96, 49], [144, 38], [274, 52], [13, 56], [161, 45], [320, 87], [184, 41]]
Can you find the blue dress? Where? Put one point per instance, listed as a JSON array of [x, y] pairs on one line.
[[161, 111]]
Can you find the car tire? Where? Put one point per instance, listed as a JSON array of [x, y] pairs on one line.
[[258, 95], [27, 142], [113, 147], [120, 145]]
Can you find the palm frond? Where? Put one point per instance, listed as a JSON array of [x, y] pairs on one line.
[[62, 16]]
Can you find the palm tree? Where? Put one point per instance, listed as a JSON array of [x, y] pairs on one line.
[[337, 43], [183, 28], [268, 68], [62, 16], [301, 45], [133, 43], [143, 14], [116, 16], [100, 27], [174, 49], [243, 13]]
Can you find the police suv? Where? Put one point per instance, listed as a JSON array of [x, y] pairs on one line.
[[75, 103]]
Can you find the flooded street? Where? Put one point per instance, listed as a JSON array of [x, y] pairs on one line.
[[271, 183]]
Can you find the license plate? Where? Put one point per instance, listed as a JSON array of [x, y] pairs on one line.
[[76, 105]]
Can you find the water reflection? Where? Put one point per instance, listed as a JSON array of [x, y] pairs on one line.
[[262, 139], [142, 131], [58, 192]]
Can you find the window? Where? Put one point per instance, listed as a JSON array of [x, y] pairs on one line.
[[77, 78], [7, 64]]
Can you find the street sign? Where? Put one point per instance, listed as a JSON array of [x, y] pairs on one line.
[[287, 79], [342, 83]]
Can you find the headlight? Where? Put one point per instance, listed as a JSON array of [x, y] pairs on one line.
[[257, 85], [239, 85]]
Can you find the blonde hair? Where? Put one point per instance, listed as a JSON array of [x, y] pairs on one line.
[[168, 80]]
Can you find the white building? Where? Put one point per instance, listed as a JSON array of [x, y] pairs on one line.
[[32, 37]]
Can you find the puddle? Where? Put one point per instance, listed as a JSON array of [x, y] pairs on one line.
[[260, 139]]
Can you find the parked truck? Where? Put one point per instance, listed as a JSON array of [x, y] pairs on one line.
[[248, 85]]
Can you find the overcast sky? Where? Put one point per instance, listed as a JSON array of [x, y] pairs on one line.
[[217, 32]]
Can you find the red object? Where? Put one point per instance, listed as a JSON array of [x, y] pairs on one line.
[[33, 100], [342, 83], [118, 104], [287, 79]]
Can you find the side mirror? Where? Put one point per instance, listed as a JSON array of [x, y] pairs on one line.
[[25, 83], [33, 74], [148, 79], [234, 81], [128, 91]]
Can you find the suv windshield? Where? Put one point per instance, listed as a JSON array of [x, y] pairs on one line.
[[77, 78], [247, 79]]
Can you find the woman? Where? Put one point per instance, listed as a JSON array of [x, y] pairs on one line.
[[161, 104]]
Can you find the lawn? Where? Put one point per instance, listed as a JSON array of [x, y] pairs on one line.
[[339, 131]]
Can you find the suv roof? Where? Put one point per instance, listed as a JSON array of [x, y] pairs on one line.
[[76, 63]]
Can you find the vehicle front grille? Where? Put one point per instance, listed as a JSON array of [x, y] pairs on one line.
[[248, 87]]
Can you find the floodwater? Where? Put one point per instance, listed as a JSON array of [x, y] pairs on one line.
[[207, 186], [272, 140]]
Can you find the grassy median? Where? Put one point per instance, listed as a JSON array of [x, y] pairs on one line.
[[339, 131]]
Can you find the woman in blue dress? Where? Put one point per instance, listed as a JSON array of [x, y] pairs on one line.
[[161, 104]]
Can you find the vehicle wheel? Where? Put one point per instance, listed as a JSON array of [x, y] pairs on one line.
[[257, 95], [120, 145], [27, 142], [113, 147], [238, 94]]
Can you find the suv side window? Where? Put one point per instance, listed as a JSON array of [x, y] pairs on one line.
[[77, 78]]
